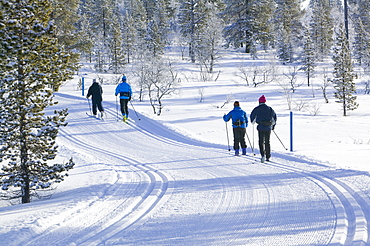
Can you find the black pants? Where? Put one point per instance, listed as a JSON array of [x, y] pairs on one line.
[[97, 104], [264, 143], [124, 106], [239, 137]]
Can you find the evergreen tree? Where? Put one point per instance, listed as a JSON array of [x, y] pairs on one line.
[[361, 23], [191, 19], [154, 41], [157, 29], [32, 66], [262, 29], [288, 25], [308, 56], [66, 19], [248, 22], [134, 29], [100, 15], [343, 73], [129, 37], [209, 41], [117, 55], [88, 38], [322, 27]]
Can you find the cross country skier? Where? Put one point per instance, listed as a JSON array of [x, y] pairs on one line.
[[125, 92], [96, 92], [266, 120], [239, 122]]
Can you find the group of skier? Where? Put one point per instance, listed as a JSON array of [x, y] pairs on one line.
[[264, 116], [124, 91]]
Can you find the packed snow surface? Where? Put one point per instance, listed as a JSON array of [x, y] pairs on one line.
[[171, 179]]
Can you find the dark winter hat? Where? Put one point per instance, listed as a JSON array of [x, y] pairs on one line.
[[94, 81], [236, 104], [124, 78], [262, 99]]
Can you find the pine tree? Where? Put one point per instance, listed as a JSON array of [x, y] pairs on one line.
[[191, 19], [343, 74], [322, 27], [100, 16], [32, 66], [117, 55], [154, 41], [248, 22], [66, 18], [287, 27], [129, 37], [361, 23], [308, 56], [88, 38], [134, 27], [157, 29], [209, 41]]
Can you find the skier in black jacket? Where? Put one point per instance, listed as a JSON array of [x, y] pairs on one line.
[[96, 92], [265, 117]]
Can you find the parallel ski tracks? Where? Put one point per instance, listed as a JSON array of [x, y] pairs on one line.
[[352, 207], [117, 213]]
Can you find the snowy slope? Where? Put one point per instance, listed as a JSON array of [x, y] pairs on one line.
[[144, 184], [170, 180]]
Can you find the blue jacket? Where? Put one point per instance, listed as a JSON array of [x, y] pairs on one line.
[[237, 114], [264, 116], [122, 89]]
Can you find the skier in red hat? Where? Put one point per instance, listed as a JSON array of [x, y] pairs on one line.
[[265, 117]]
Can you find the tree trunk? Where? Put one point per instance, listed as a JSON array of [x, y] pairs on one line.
[[25, 172], [344, 102]]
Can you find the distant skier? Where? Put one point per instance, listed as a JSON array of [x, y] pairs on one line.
[[96, 92], [266, 120], [239, 122], [125, 92]]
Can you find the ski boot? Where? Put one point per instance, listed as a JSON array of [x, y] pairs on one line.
[[237, 152], [244, 151]]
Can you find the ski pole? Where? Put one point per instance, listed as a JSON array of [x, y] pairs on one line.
[[250, 143], [227, 134], [253, 135], [117, 108], [279, 140], [135, 110], [88, 100]]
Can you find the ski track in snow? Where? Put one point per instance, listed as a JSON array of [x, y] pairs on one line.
[[168, 189]]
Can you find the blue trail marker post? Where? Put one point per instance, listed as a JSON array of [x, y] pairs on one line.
[[291, 131], [83, 86]]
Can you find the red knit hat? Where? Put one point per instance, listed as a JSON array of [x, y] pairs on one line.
[[262, 99]]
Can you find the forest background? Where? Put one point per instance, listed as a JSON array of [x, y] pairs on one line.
[[135, 37]]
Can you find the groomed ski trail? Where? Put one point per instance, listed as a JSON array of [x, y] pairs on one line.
[[166, 189]]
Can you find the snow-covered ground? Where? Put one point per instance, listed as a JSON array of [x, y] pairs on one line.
[[170, 179]]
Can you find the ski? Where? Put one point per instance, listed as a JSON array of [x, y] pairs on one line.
[[125, 119], [94, 116]]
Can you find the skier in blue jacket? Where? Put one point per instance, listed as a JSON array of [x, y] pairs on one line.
[[239, 122], [125, 92], [265, 117]]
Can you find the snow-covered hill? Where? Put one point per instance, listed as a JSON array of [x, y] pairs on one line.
[[170, 179]]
